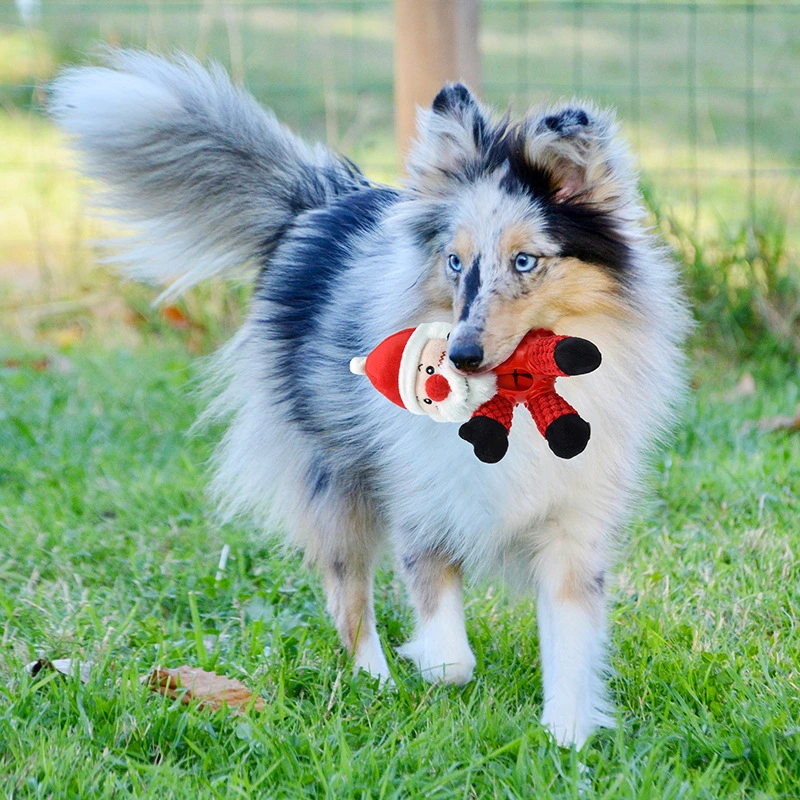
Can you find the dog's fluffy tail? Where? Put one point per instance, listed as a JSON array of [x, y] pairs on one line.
[[206, 178]]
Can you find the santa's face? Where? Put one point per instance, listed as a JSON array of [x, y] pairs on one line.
[[442, 393]]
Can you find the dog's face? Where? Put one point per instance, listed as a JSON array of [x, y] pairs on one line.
[[524, 225]]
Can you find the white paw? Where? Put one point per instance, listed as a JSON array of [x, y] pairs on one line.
[[569, 728], [369, 657], [440, 660]]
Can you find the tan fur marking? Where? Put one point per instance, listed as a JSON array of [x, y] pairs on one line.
[[463, 245], [437, 288], [572, 287], [439, 294], [567, 288], [574, 588], [348, 603], [428, 578], [516, 239], [580, 588]]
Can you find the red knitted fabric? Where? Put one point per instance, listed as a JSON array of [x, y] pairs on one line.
[[539, 354], [498, 408], [547, 407]]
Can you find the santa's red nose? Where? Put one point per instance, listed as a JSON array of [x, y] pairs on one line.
[[437, 388]]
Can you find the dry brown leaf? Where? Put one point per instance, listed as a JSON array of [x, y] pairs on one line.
[[789, 424], [212, 690], [57, 362], [175, 317]]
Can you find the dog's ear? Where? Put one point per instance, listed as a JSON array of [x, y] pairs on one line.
[[576, 154], [453, 133]]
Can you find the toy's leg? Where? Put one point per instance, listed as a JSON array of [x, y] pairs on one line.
[[571, 613], [488, 429], [347, 566], [559, 356], [566, 433], [439, 647]]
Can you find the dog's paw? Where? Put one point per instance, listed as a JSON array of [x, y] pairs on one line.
[[571, 718], [572, 725], [440, 661], [369, 657], [567, 733]]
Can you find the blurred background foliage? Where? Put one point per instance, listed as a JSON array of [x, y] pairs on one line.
[[707, 92]]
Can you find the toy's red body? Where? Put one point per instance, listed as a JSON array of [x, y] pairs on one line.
[[528, 377]]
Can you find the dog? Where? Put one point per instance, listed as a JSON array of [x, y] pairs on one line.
[[499, 228]]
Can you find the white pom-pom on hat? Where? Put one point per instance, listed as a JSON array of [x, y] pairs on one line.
[[358, 365]]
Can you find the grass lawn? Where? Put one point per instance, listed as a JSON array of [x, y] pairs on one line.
[[106, 543]]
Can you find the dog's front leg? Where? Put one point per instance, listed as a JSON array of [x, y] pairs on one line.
[[439, 647], [347, 578], [570, 574]]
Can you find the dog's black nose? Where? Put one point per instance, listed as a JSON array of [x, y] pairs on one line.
[[466, 357]]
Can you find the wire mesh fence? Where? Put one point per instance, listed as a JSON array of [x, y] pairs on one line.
[[707, 91]]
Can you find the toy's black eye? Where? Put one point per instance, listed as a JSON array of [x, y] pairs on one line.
[[430, 370], [428, 401], [454, 262], [525, 262]]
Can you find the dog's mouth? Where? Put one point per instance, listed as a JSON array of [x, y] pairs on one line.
[[487, 366], [474, 373]]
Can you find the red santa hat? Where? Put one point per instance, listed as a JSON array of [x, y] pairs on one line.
[[392, 365]]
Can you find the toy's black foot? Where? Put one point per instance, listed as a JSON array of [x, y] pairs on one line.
[[568, 435], [489, 439], [576, 356]]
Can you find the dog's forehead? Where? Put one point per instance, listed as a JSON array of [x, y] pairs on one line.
[[490, 220]]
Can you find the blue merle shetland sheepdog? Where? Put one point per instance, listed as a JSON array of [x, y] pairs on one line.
[[210, 181]]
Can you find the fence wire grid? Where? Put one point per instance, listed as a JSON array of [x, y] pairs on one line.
[[707, 91]]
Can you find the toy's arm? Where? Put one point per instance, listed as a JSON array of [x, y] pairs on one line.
[[559, 356], [566, 433], [487, 430]]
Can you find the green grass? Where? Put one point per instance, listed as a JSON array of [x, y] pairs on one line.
[[104, 535]]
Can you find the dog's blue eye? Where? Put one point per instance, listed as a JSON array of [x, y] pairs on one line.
[[524, 262], [454, 262]]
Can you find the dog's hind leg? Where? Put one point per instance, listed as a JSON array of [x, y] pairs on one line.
[[439, 647], [570, 575], [346, 556]]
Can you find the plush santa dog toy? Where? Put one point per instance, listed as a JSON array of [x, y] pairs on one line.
[[412, 370]]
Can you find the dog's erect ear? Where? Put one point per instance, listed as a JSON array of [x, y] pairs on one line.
[[578, 153], [454, 100], [454, 132]]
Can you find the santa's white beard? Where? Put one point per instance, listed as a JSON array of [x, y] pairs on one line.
[[466, 395]]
